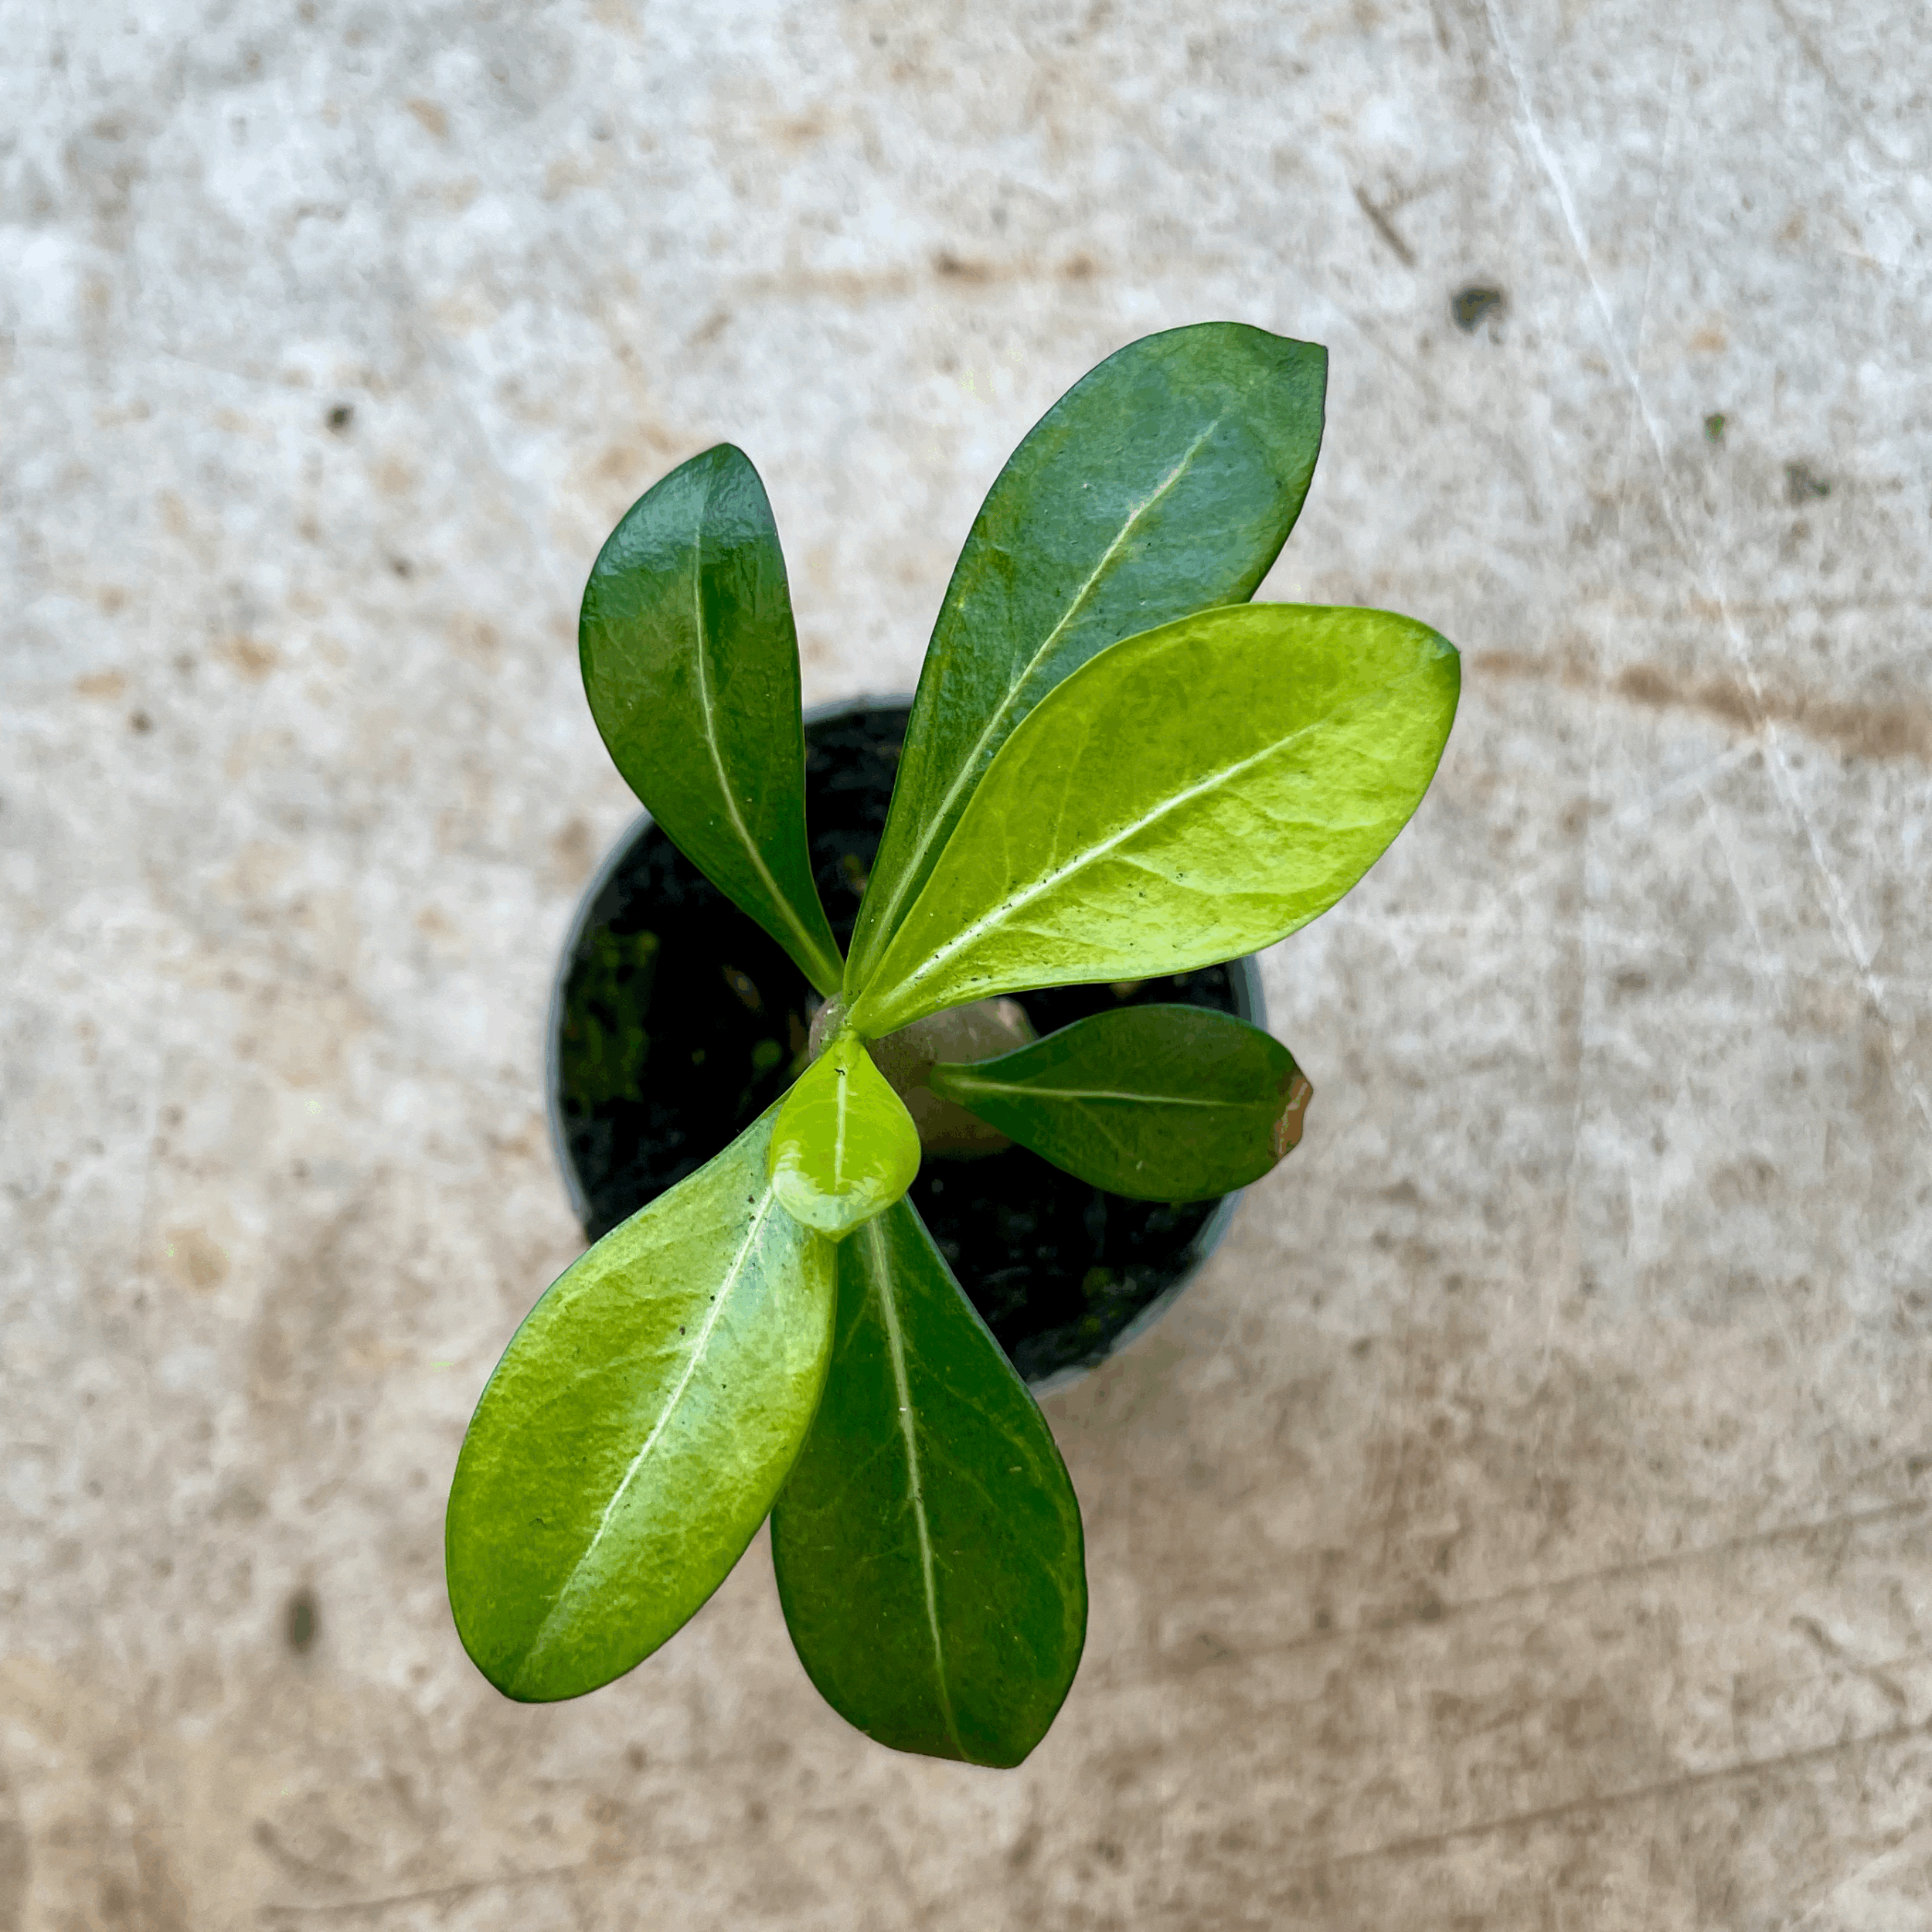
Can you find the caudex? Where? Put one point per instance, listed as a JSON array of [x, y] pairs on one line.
[[1116, 767]]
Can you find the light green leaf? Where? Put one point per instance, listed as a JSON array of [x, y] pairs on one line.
[[1161, 1103], [636, 1431], [928, 1545], [691, 665], [844, 1148], [1189, 795], [1163, 481]]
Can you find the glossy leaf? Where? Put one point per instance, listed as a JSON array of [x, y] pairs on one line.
[[844, 1148], [635, 1433], [1163, 481], [1187, 796], [928, 1545], [1161, 1103], [691, 665]]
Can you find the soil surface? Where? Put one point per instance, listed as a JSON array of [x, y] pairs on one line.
[[683, 1020]]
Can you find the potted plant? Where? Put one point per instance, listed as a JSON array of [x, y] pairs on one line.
[[1115, 767], [675, 1020]]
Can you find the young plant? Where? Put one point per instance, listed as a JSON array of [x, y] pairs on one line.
[[1116, 767]]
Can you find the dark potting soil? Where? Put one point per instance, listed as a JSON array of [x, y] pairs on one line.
[[683, 1021]]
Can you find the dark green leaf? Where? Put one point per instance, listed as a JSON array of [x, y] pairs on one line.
[[928, 1545], [637, 1429], [844, 1148], [691, 664], [1189, 795], [1162, 1103], [1163, 481]]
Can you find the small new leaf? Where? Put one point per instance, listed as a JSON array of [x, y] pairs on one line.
[[691, 664], [1194, 793], [1164, 480], [928, 1545], [1160, 1103], [635, 1433], [844, 1148]]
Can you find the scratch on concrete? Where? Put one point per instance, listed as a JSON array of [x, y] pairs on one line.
[[1836, 907]]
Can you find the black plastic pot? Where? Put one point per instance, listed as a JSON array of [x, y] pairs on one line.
[[675, 1020]]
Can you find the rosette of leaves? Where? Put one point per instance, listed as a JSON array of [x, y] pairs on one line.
[[1116, 767]]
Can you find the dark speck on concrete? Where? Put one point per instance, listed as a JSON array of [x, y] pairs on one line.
[[1714, 427], [299, 1622], [341, 416], [1468, 306], [1801, 484]]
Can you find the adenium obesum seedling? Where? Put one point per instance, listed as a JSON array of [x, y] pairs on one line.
[[1116, 767]]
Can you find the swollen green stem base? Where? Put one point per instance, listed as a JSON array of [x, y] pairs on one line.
[[907, 1057]]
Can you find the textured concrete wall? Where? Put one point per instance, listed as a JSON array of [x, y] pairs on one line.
[[1524, 1523]]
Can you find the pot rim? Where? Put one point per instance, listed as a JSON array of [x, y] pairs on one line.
[[1244, 974]]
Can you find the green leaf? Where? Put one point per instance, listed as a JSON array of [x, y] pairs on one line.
[[691, 665], [636, 1431], [1161, 1103], [1163, 481], [844, 1148], [928, 1545], [1191, 794]]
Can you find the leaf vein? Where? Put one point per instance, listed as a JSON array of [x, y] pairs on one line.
[[733, 1276], [1093, 854], [708, 711], [895, 1347], [936, 819], [1027, 1091]]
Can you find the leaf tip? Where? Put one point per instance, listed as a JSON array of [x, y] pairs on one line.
[[1297, 1092]]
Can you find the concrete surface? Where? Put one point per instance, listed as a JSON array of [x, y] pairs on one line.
[[1524, 1524]]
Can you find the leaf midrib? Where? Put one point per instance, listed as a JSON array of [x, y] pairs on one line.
[[840, 1085], [1031, 1091], [895, 1348], [936, 819], [707, 712], [699, 1346], [1092, 855]]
